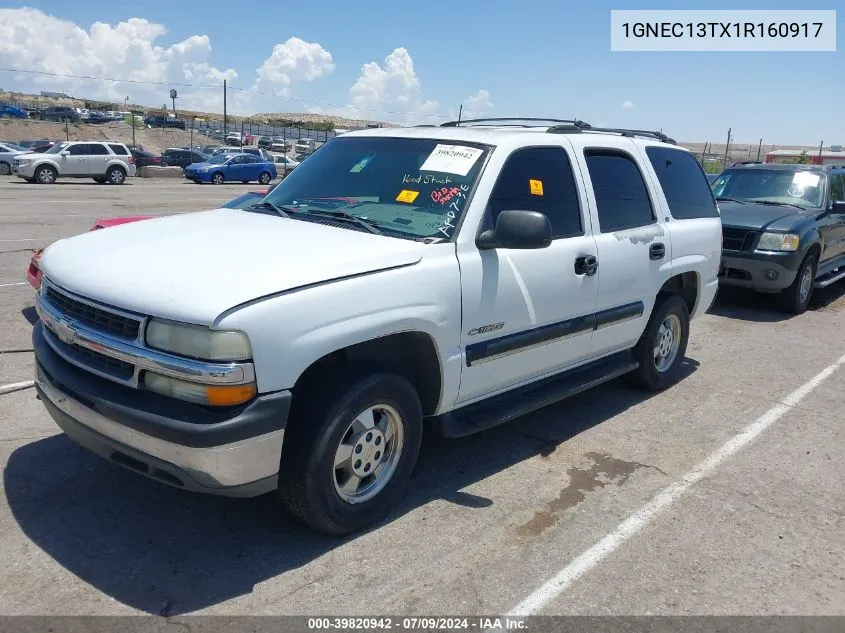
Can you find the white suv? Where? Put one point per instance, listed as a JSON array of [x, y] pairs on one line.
[[462, 274], [105, 162]]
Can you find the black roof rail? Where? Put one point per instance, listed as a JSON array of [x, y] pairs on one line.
[[425, 125], [576, 127], [660, 136], [512, 120]]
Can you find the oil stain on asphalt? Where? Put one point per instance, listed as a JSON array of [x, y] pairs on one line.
[[604, 471]]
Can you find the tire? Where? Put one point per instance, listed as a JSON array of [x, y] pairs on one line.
[[115, 176], [5, 168], [264, 177], [217, 178], [796, 298], [324, 418], [659, 370], [46, 174]]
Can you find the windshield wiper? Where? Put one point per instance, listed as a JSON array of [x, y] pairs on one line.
[[779, 204], [720, 199], [343, 215], [281, 211]]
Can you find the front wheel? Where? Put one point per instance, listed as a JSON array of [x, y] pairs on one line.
[[46, 175], [264, 178], [661, 348], [217, 179], [796, 298], [349, 450]]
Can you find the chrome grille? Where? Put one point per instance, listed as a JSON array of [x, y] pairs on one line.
[[99, 362], [98, 318]]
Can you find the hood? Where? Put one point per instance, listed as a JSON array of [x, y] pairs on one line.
[[760, 217], [203, 165], [194, 266], [30, 155]]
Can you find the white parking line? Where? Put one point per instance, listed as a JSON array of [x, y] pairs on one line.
[[17, 283], [16, 386], [665, 498]]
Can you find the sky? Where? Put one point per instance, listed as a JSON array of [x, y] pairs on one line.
[[419, 62]]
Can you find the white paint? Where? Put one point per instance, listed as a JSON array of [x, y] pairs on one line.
[[452, 159], [665, 498], [523, 289], [16, 386], [17, 283]]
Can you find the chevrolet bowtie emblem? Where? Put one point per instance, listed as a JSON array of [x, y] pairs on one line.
[[63, 331]]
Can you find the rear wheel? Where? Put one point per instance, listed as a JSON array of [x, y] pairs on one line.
[[264, 177], [796, 298], [115, 176], [350, 447], [46, 174], [661, 348]]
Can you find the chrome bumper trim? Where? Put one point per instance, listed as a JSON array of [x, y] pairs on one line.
[[220, 467], [70, 331]]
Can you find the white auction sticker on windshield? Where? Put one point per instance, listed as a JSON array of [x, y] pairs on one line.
[[805, 179], [452, 159]]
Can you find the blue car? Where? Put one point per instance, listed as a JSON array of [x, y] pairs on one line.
[[13, 112], [228, 167]]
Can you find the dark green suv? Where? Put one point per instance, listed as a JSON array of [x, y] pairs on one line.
[[783, 229]]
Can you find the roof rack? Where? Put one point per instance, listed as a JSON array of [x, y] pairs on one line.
[[660, 136], [512, 121]]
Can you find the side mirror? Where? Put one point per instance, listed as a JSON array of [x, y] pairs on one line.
[[64, 152], [839, 207], [517, 229]]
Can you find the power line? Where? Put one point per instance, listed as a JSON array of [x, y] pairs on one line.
[[217, 87]]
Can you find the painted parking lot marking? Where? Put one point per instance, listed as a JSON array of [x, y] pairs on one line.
[[589, 559], [16, 386]]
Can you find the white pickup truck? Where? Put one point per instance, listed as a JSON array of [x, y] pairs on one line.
[[464, 274]]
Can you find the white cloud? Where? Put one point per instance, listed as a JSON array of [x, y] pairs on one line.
[[391, 91], [474, 106], [627, 105], [32, 40], [293, 61]]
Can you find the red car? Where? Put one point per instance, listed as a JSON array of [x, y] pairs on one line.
[[33, 273]]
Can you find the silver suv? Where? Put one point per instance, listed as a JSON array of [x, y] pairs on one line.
[[105, 162]]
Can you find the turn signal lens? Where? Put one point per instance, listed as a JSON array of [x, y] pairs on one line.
[[213, 395]]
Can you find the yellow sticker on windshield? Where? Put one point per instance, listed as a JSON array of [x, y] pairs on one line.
[[406, 195], [536, 187]]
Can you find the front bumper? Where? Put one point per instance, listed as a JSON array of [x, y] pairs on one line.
[[235, 453], [24, 171], [198, 176], [760, 271]]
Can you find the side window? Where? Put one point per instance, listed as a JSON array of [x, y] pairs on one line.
[[120, 150], [837, 188], [621, 195], [683, 182], [80, 149], [96, 149], [539, 179]]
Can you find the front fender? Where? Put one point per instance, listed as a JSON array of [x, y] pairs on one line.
[[290, 331]]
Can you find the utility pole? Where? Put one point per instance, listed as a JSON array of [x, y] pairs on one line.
[[821, 147], [759, 149], [225, 124], [460, 111], [727, 146]]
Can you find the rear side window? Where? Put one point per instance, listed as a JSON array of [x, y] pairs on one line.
[[622, 197], [683, 182], [120, 150], [539, 179], [95, 149]]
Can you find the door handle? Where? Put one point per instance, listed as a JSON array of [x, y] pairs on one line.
[[657, 251], [586, 265]]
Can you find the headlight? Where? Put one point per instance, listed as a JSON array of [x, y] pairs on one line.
[[197, 341], [778, 242], [22, 161], [214, 395]]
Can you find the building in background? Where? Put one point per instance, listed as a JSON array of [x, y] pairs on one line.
[[830, 156]]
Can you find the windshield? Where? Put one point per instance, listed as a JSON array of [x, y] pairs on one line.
[[801, 188], [219, 159], [407, 187], [58, 147], [243, 201], [15, 148]]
